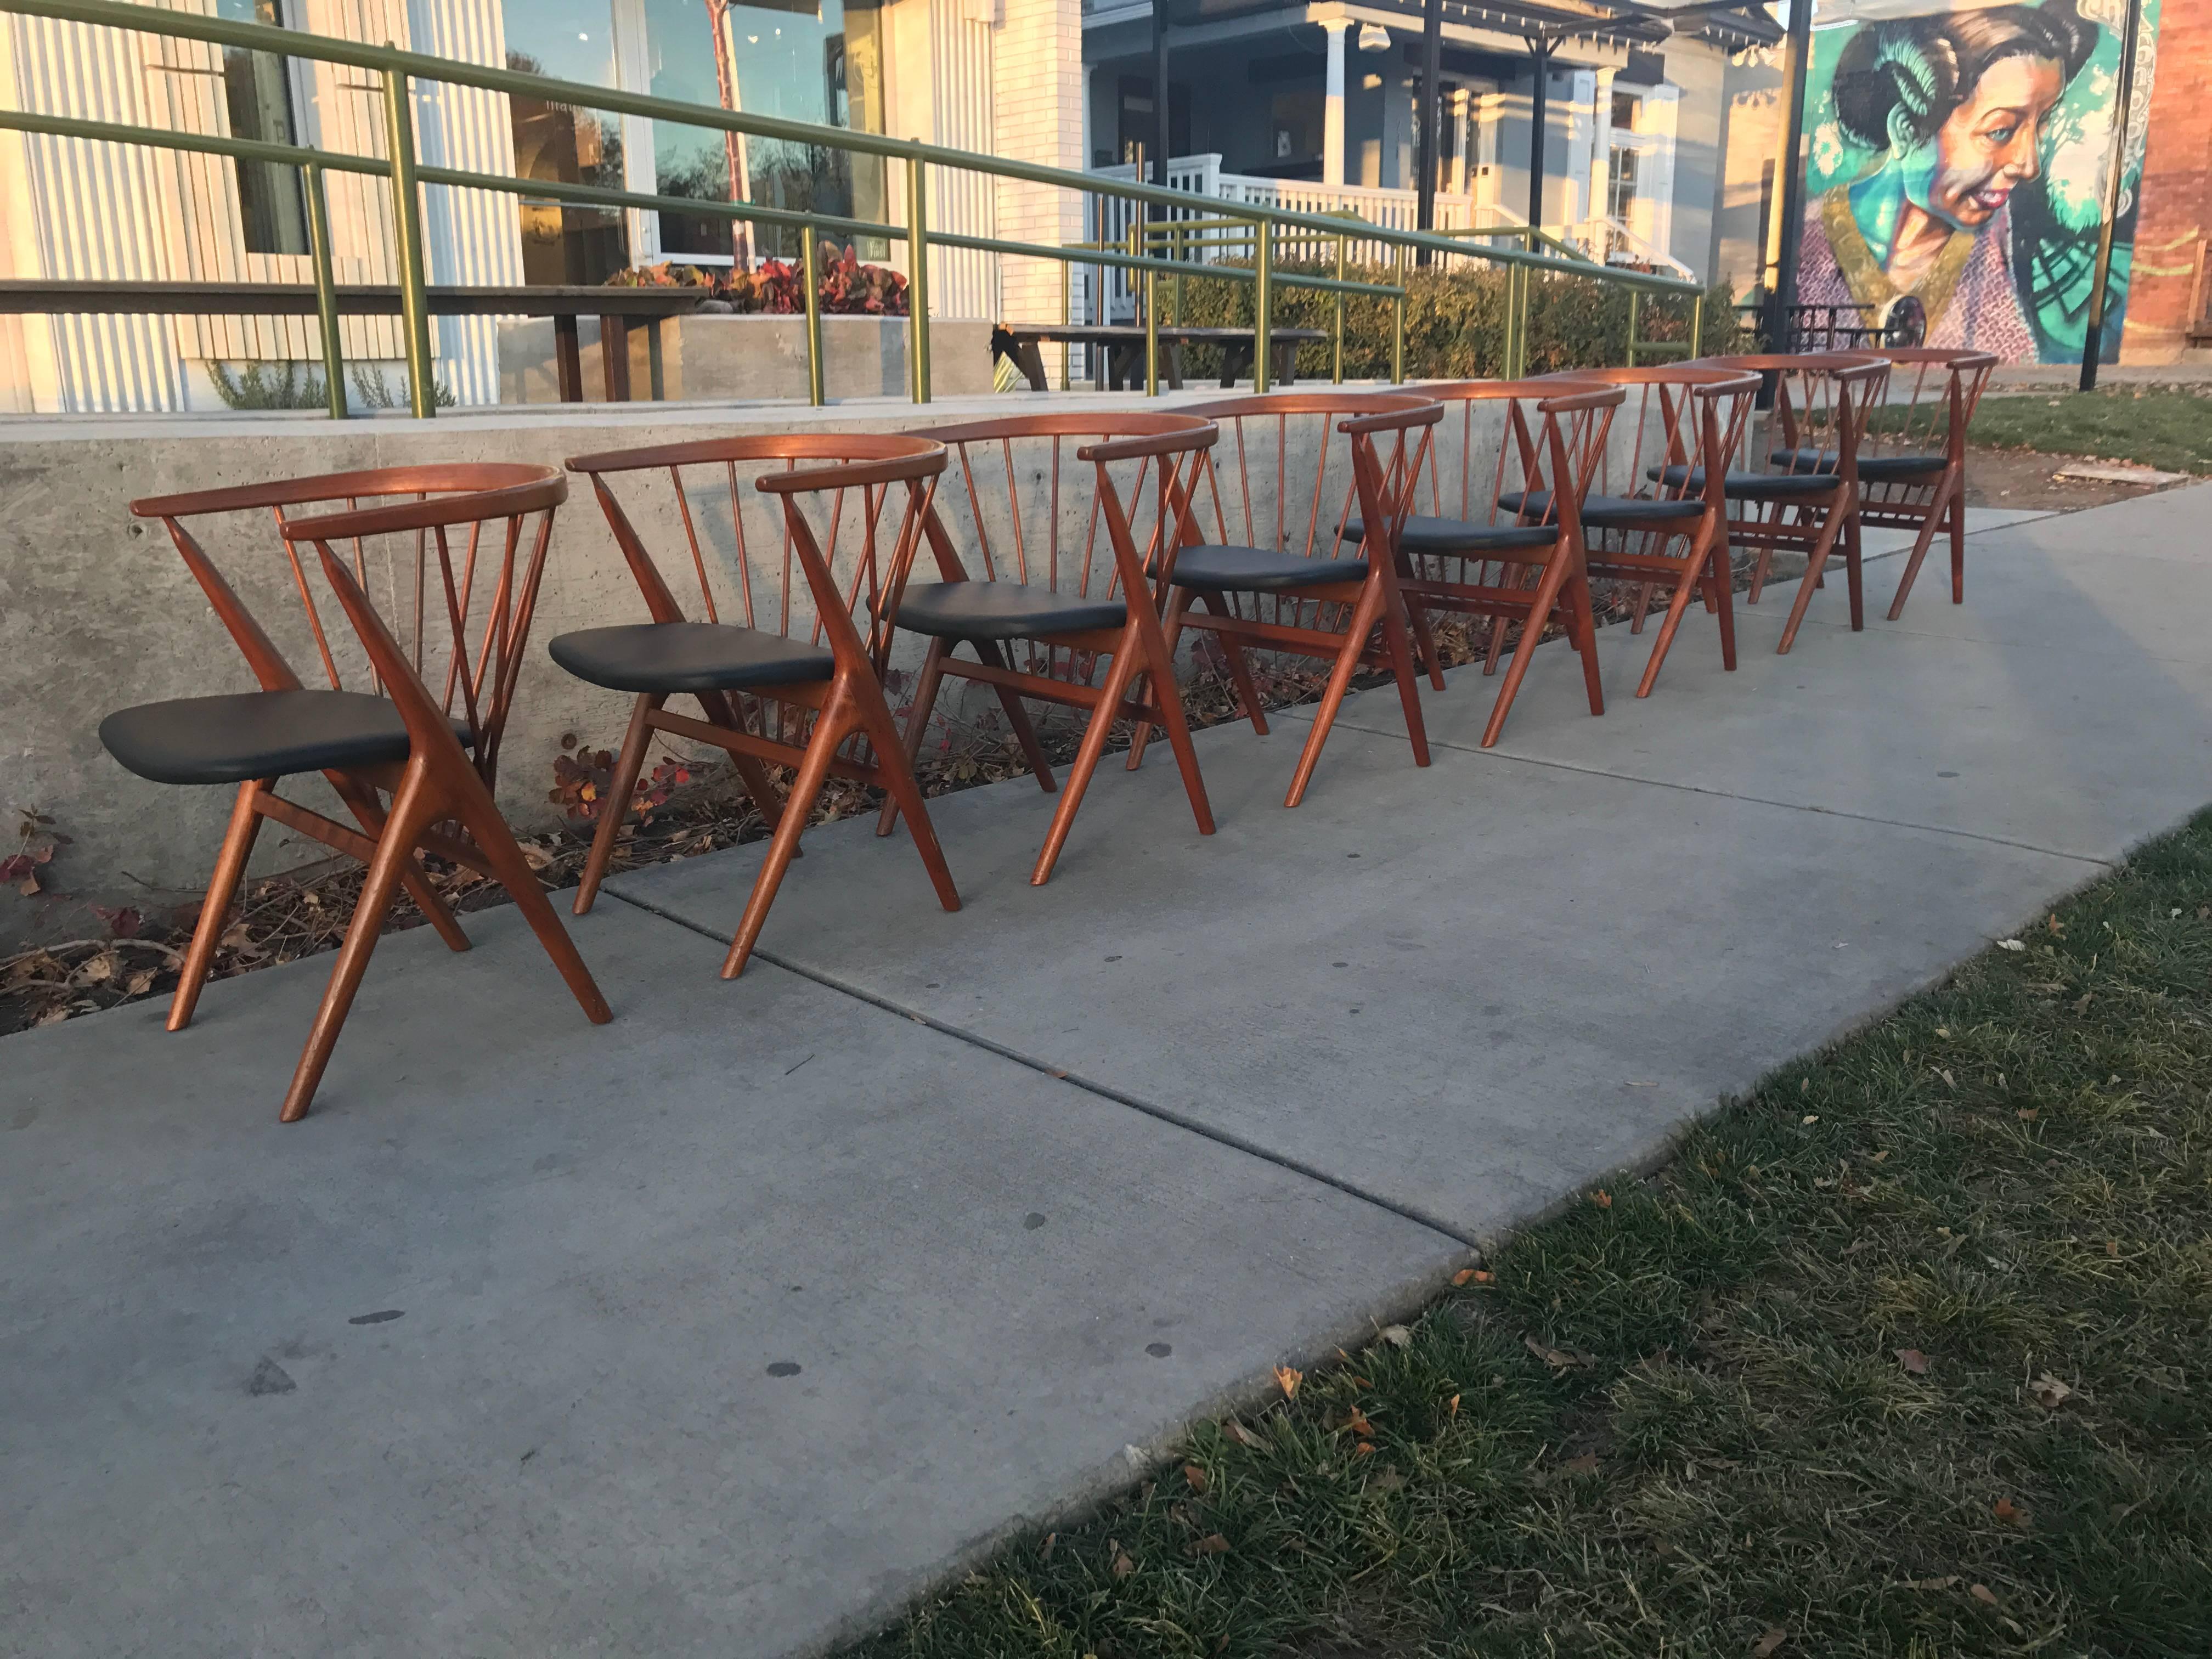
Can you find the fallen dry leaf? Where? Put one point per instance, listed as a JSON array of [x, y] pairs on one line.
[[1212, 1544], [1951, 1582], [1914, 1361], [1287, 1379], [2010, 945], [2049, 1392], [1586, 1464], [1365, 1449], [2027, 1113], [1236, 1431], [1452, 1408], [1357, 1423], [1196, 1476], [1812, 1118], [1386, 1481], [1397, 1336], [1602, 1198], [1770, 1643], [1983, 1594], [1122, 1565], [2008, 1512]]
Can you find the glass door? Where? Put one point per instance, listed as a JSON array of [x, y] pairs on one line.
[[572, 40]]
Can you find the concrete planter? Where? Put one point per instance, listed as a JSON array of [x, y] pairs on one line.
[[724, 357]]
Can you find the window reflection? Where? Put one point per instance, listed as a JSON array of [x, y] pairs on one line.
[[258, 94], [795, 60], [571, 41]]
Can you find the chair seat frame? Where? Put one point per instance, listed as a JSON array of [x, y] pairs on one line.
[[1140, 683], [439, 789], [1378, 632], [847, 703]]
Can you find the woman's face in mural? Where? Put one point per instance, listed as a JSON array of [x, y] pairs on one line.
[[1989, 145]]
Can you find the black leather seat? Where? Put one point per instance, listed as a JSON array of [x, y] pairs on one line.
[[1422, 534], [1873, 469], [688, 657], [257, 734], [1002, 610], [1227, 569], [1609, 512], [1746, 486]]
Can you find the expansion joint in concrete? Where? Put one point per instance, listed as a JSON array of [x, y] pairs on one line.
[[1074, 1079]]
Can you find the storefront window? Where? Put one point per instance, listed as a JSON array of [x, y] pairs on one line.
[[794, 60], [258, 91], [571, 41]]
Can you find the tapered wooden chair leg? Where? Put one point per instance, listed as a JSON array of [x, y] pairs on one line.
[[1532, 631], [1815, 562], [1018, 717], [513, 872], [902, 786], [831, 727], [1958, 511], [614, 807], [1365, 615], [1156, 667], [368, 811], [1854, 575], [1096, 731], [214, 907], [917, 725], [415, 808], [1405, 668]]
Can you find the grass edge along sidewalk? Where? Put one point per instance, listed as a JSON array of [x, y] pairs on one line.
[[1906, 1355]]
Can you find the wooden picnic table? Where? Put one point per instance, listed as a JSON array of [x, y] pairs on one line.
[[1119, 361], [617, 309]]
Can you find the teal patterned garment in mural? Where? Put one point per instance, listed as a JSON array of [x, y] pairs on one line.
[[1960, 157]]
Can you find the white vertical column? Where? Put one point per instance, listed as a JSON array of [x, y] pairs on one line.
[[1600, 202], [1331, 124]]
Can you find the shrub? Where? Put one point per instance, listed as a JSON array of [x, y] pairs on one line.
[[1456, 321], [849, 288]]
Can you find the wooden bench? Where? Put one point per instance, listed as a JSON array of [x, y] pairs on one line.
[[617, 309], [1117, 358]]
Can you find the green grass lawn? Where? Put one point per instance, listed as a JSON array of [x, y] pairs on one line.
[[1909, 1354], [2168, 430]]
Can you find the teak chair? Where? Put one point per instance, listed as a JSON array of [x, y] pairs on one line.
[[1807, 496], [1690, 419], [465, 615], [1912, 460], [1042, 585], [1510, 514], [816, 649], [1334, 597]]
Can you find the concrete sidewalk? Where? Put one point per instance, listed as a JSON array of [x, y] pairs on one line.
[[731, 1326]]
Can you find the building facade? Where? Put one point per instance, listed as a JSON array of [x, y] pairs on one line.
[[995, 76]]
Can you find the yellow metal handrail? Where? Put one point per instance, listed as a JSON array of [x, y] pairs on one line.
[[1264, 225]]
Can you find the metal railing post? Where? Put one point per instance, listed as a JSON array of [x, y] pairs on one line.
[[1336, 366], [917, 282], [1152, 334], [1263, 302], [1635, 312], [1397, 324], [1182, 256], [327, 288], [1698, 326], [1066, 317], [407, 232], [809, 273]]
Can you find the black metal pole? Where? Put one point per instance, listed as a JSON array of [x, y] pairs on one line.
[[1427, 111], [2093, 336], [1540, 54], [1163, 137], [1789, 182]]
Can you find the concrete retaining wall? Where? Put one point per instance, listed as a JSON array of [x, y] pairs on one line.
[[97, 612]]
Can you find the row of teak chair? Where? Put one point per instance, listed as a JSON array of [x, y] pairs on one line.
[[1022, 554]]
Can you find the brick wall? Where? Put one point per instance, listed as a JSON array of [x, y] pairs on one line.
[[2176, 215]]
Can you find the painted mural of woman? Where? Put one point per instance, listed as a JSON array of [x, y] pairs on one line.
[[1954, 105]]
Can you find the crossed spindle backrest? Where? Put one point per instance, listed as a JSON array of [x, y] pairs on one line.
[[1034, 498], [1503, 437], [1285, 446], [861, 496], [1683, 416], [451, 557], [1822, 401]]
